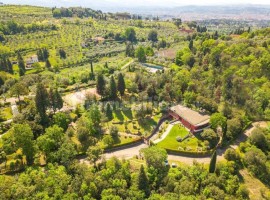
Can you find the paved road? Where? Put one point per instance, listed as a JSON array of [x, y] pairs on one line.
[[133, 151]]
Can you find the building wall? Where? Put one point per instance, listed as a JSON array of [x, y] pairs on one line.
[[191, 127]]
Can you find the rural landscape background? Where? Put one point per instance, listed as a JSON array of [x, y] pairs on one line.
[[158, 100]]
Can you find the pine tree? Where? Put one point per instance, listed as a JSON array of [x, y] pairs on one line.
[[143, 183], [113, 89], [101, 85], [212, 166], [121, 86], [42, 102]]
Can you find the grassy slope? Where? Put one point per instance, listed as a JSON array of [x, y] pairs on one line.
[[255, 186]]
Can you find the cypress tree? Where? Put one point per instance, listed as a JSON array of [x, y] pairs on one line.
[[21, 64], [190, 44], [212, 166], [92, 75], [113, 89], [9, 67], [109, 113], [42, 102], [58, 100], [121, 86], [143, 183], [101, 85], [48, 64]]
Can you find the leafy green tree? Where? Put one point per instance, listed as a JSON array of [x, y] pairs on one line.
[[66, 153], [94, 115], [101, 85], [121, 86], [42, 102], [130, 51], [216, 120], [255, 161], [177, 22], [130, 34], [94, 153], [140, 54], [108, 141], [212, 166], [234, 128], [210, 136], [259, 139], [62, 120], [113, 89], [51, 141], [155, 157], [19, 89], [24, 139], [143, 183], [153, 36], [232, 155]]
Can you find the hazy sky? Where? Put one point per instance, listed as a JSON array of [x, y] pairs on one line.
[[132, 3]]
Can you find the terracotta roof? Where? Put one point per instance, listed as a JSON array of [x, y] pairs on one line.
[[191, 116]]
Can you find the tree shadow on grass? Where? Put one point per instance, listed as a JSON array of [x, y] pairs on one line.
[[119, 115], [117, 140], [147, 123], [128, 113]]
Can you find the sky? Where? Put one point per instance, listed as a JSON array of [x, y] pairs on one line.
[[132, 3]]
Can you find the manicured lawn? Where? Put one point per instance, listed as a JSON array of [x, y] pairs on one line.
[[170, 141]]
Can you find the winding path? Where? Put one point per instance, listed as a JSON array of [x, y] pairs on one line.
[[134, 151]]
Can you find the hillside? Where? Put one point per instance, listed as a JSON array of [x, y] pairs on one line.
[[85, 97]]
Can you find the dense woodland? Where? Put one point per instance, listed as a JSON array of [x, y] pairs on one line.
[[224, 75]]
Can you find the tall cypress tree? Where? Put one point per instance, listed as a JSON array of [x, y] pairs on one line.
[[143, 183], [113, 89], [121, 86], [21, 64], [56, 101], [101, 85], [212, 166], [42, 102], [92, 75]]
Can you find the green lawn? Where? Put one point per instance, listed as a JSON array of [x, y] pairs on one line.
[[170, 141]]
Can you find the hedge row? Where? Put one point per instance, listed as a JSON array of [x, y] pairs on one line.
[[124, 145], [189, 153]]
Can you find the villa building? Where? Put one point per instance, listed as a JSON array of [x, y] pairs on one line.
[[191, 119]]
